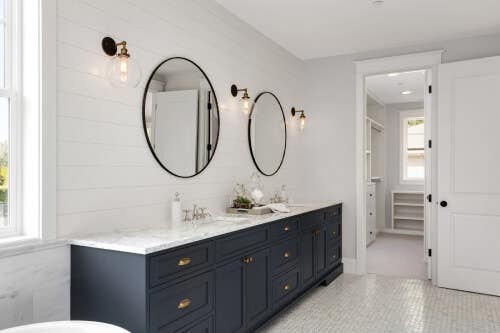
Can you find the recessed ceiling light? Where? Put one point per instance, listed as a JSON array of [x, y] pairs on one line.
[[393, 74], [378, 3], [407, 92]]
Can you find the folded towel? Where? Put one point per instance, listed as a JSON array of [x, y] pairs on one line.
[[278, 208]]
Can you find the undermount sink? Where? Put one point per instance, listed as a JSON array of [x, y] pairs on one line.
[[231, 218]]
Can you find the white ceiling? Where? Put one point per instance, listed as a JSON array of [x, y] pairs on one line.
[[320, 28], [387, 89]]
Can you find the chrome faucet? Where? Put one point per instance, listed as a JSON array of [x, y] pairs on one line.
[[198, 213]]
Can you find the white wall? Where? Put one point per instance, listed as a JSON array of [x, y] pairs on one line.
[[34, 287], [107, 178], [329, 86], [393, 150]]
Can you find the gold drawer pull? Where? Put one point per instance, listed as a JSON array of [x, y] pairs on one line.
[[184, 261], [286, 254], [286, 287], [248, 260], [286, 228], [184, 303], [334, 233]]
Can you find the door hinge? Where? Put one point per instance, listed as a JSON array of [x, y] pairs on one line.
[[429, 252], [430, 89], [430, 144], [429, 197], [209, 106]]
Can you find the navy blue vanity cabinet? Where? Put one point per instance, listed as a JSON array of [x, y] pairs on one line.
[[231, 283], [243, 292]]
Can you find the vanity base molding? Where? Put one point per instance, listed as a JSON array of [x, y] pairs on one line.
[[234, 282]]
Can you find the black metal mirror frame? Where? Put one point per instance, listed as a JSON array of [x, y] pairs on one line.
[[249, 133], [144, 117]]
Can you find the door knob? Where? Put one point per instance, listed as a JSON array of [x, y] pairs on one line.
[[443, 204]]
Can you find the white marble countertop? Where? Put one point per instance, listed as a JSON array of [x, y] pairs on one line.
[[150, 240]]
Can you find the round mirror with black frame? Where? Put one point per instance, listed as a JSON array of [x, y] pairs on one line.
[[267, 133], [180, 117]]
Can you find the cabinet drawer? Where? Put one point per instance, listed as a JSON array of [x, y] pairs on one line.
[[284, 228], [333, 214], [312, 220], [285, 255], [334, 253], [204, 326], [334, 231], [240, 242], [168, 266], [181, 304], [286, 286]]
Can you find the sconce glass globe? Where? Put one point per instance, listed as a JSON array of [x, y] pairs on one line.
[[246, 105], [122, 71], [302, 121]]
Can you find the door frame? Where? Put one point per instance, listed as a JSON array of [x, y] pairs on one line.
[[416, 61]]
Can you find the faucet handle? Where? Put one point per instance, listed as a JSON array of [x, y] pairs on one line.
[[186, 215], [204, 213]]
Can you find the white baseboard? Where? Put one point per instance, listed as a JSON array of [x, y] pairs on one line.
[[350, 265]]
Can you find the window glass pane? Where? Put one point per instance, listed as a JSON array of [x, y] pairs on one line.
[[4, 161], [2, 55], [2, 43], [415, 161]]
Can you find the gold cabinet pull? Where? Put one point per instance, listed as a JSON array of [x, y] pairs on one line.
[[286, 228], [248, 260], [184, 303], [286, 254], [334, 233], [184, 261], [286, 287]]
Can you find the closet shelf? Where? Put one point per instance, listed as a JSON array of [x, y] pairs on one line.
[[412, 218], [375, 124], [408, 214], [409, 204]]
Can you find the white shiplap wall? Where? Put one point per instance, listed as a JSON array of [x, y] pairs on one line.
[[106, 176]]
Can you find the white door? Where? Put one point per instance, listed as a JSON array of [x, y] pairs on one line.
[[176, 114], [469, 176]]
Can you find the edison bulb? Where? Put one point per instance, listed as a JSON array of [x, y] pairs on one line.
[[245, 105], [122, 71], [302, 122]]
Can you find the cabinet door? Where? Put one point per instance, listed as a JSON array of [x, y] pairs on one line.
[[257, 287], [229, 296], [307, 243], [321, 248]]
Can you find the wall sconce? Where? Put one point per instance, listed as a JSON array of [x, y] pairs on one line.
[[302, 117], [121, 70], [245, 99]]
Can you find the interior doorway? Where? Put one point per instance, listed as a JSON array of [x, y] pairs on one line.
[[395, 173], [425, 64]]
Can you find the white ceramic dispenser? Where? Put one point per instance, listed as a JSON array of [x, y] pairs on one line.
[[176, 211]]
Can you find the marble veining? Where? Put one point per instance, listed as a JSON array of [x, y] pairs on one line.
[[148, 240], [35, 286]]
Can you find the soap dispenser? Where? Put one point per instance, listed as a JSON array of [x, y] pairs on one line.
[[176, 211]]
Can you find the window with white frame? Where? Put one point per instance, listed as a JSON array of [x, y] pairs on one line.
[[8, 74], [412, 147]]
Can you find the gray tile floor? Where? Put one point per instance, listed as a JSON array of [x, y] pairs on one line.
[[374, 303]]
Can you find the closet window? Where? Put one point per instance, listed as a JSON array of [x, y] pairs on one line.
[[413, 148]]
